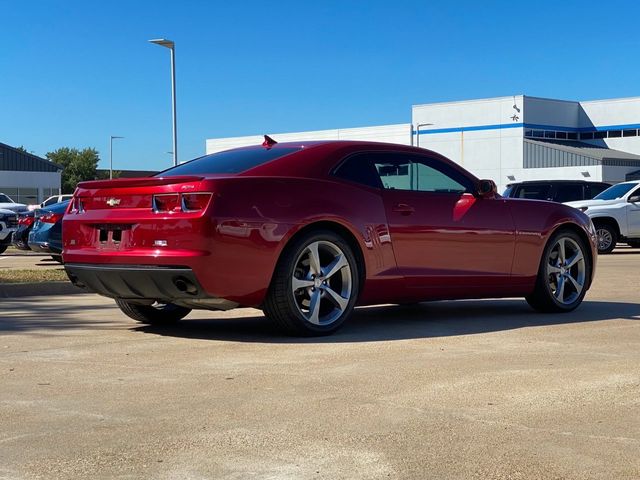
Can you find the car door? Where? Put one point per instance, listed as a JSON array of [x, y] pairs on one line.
[[633, 215], [443, 236]]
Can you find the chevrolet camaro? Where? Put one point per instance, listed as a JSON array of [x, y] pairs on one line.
[[307, 231]]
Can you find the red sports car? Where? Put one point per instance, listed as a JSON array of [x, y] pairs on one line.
[[307, 231]]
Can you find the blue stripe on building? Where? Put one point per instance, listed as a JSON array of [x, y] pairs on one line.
[[532, 126]]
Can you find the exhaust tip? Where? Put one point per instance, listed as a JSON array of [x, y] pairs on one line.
[[185, 285]]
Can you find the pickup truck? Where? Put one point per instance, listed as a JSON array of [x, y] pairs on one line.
[[616, 215]]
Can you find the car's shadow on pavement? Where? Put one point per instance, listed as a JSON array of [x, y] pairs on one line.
[[425, 320]]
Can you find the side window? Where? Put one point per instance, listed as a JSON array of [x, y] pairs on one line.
[[421, 174], [534, 191], [569, 193], [359, 169]]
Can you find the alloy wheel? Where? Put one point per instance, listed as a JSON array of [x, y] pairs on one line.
[[322, 282], [566, 270], [604, 239]]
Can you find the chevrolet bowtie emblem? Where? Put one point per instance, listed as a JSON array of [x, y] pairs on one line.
[[112, 202]]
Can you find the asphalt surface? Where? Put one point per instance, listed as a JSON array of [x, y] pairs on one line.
[[445, 390], [15, 259]]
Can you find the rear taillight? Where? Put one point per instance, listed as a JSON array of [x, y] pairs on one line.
[[167, 202], [51, 217], [194, 202], [26, 221], [176, 202]]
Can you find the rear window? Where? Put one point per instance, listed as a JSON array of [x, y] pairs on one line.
[[230, 161]]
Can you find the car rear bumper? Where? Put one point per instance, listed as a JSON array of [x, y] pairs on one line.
[[165, 284]]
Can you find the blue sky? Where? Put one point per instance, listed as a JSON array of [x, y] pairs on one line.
[[74, 72]]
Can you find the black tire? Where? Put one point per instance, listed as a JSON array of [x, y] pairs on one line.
[[282, 306], [603, 230], [3, 248], [542, 298], [166, 314], [634, 243]]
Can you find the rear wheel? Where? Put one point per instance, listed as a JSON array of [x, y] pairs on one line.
[[563, 274], [315, 285], [607, 237], [155, 314]]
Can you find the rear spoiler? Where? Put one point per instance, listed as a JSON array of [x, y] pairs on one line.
[[139, 182]]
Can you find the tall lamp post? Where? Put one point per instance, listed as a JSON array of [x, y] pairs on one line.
[[163, 42], [111, 155], [418, 132]]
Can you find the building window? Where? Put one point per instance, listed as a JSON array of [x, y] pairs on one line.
[[599, 135], [630, 133], [615, 133], [549, 134], [586, 136], [561, 135], [572, 136], [537, 133]]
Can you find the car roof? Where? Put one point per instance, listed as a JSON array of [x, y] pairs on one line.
[[314, 159]]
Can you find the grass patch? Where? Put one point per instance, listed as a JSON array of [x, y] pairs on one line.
[[33, 276]]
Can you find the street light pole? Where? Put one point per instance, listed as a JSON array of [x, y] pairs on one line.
[[111, 155], [418, 132], [163, 42]]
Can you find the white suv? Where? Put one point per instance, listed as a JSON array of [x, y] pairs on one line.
[[615, 214]]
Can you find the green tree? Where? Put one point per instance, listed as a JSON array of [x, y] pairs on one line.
[[77, 165]]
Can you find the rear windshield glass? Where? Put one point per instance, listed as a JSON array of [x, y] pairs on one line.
[[617, 191], [229, 161]]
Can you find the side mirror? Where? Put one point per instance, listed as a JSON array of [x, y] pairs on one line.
[[634, 199], [487, 189]]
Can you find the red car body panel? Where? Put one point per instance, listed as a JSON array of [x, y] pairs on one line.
[[414, 245]]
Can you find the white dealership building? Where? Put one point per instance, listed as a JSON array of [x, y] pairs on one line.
[[508, 139]]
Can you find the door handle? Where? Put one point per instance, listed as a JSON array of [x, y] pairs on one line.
[[403, 209]]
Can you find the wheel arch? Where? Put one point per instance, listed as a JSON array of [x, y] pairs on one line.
[[337, 228], [608, 220]]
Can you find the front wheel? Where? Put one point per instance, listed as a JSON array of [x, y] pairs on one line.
[[315, 285], [563, 274], [607, 238], [155, 314]]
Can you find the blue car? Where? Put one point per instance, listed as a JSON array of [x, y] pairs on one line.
[[46, 234]]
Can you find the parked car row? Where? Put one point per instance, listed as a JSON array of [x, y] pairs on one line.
[[39, 230]]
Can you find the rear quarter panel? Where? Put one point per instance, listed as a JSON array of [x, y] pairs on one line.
[[255, 217]]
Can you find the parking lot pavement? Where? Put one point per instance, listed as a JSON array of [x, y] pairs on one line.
[[473, 389], [26, 260]]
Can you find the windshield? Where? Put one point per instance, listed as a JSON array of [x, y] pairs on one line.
[[615, 192], [5, 199], [230, 161]]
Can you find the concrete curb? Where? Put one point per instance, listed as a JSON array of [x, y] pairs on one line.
[[12, 290]]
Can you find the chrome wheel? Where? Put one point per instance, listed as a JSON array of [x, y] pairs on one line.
[[566, 270], [322, 282], [605, 239]]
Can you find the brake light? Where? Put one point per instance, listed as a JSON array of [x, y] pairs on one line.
[[166, 202], [176, 202], [51, 217], [26, 221], [193, 202]]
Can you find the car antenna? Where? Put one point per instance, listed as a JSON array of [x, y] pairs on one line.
[[268, 142]]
